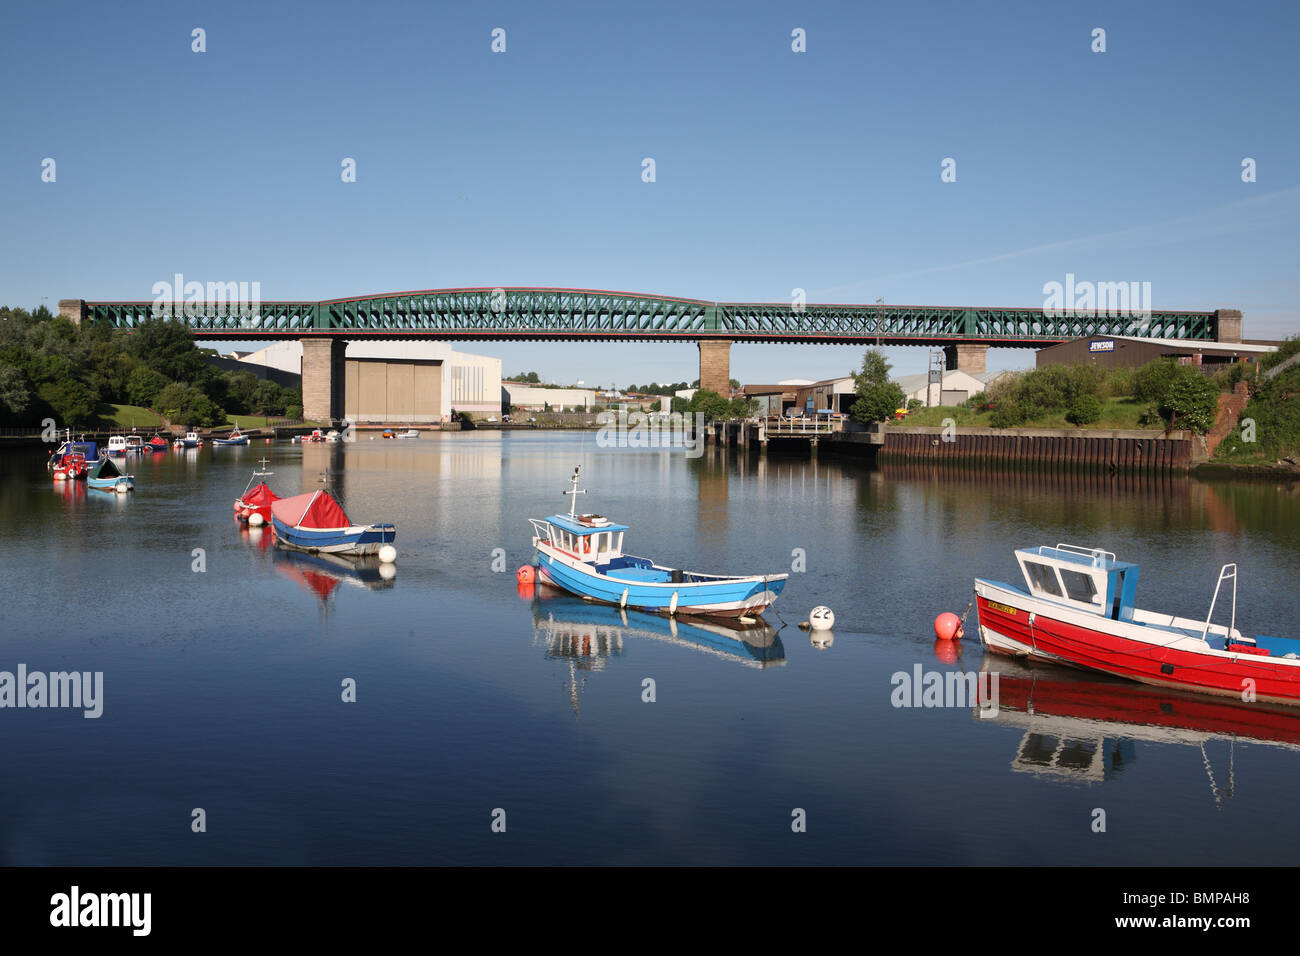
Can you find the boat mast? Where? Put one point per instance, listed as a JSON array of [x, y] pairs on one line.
[[577, 475]]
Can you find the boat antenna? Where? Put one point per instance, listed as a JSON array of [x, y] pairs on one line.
[[577, 476]]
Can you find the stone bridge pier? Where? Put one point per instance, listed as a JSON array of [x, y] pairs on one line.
[[715, 365], [322, 378]]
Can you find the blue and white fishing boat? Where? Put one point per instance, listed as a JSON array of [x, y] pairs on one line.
[[316, 522], [583, 554], [236, 437]]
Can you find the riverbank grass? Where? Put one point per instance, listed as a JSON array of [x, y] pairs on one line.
[[1120, 412], [126, 416]]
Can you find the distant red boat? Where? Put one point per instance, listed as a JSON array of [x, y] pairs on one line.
[[1078, 609]]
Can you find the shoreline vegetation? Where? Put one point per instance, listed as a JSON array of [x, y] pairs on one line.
[[1261, 439], [84, 377]]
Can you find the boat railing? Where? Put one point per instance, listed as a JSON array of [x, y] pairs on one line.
[[1228, 571], [1097, 554], [542, 529]]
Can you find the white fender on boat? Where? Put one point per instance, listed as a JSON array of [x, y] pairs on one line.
[[672, 605], [622, 602]]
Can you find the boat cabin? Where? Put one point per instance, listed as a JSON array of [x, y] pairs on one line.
[[116, 444], [589, 538], [1085, 579]]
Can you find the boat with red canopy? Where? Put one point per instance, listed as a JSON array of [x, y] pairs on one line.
[[316, 522], [257, 497]]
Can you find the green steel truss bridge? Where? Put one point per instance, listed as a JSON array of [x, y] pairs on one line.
[[541, 314]]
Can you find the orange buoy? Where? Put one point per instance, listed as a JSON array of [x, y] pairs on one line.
[[526, 574], [947, 627]]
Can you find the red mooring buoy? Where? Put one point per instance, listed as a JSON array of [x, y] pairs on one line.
[[526, 574], [947, 627]]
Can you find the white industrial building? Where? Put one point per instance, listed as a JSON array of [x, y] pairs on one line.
[[390, 382], [956, 387], [535, 398]]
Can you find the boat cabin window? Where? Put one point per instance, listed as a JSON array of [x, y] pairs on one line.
[[1079, 586], [1043, 578]]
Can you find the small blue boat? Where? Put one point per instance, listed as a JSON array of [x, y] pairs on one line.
[[236, 437], [107, 475], [583, 554], [316, 522]]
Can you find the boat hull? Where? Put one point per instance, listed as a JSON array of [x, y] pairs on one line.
[[352, 540], [245, 511], [121, 483], [1022, 627], [230, 441], [726, 597]]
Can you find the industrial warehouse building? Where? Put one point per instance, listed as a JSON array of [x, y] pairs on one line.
[[406, 382], [1121, 351], [535, 398], [802, 397]]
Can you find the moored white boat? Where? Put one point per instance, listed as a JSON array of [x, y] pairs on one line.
[[583, 554], [1078, 608]]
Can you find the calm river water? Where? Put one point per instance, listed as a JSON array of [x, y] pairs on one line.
[[222, 669]]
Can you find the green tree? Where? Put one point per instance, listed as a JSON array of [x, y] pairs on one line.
[[186, 405], [742, 407], [72, 402], [1190, 400], [713, 406], [878, 397], [268, 399], [1152, 380], [14, 396], [144, 384]]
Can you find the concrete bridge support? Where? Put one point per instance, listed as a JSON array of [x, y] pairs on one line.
[[969, 357], [74, 310], [1227, 323], [715, 366], [322, 378]]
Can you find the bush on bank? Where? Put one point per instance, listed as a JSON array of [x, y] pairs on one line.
[[1269, 429]]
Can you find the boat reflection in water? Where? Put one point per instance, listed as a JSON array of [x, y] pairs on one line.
[[1081, 728], [572, 628], [589, 635], [322, 573]]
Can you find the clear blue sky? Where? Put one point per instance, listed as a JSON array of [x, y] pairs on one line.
[[775, 170]]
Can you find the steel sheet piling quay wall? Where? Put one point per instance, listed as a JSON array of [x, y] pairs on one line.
[[1114, 451]]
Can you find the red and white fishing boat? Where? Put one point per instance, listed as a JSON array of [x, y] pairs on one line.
[[1078, 608], [70, 467]]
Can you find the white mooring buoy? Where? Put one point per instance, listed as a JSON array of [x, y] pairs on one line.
[[821, 618], [387, 554], [255, 520]]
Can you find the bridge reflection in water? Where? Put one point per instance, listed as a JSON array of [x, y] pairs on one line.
[[1083, 729], [588, 636]]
